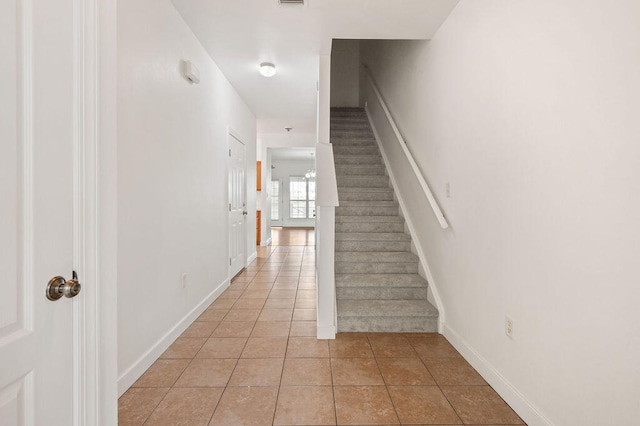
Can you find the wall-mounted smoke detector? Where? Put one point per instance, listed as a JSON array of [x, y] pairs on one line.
[[288, 129]]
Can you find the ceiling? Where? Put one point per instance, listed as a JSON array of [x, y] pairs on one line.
[[239, 34]]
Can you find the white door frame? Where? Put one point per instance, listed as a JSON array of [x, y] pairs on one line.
[[95, 333], [280, 200], [231, 133]]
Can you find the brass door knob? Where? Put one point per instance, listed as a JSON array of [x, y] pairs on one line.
[[59, 287]]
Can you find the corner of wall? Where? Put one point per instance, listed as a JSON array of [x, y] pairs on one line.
[[525, 408], [129, 377]]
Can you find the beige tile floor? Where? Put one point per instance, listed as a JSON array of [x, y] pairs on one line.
[[252, 359]]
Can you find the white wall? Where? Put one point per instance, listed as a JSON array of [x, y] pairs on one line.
[[172, 153], [345, 60], [530, 110]]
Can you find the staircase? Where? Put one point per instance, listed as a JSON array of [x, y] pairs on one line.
[[378, 288]]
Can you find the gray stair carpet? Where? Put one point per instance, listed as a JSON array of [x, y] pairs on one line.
[[378, 288]]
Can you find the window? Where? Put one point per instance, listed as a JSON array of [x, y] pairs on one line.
[[275, 200], [302, 197]]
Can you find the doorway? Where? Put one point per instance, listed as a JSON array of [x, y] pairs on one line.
[[237, 205], [293, 187]]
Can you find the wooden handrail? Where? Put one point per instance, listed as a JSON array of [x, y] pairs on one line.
[[432, 201]]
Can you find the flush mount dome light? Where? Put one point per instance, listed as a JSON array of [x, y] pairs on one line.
[[267, 69]]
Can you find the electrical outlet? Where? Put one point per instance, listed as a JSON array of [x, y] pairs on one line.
[[508, 327], [183, 280]]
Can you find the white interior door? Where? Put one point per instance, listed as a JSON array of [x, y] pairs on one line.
[[237, 206], [38, 141]]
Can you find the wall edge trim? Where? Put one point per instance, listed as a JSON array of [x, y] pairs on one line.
[[133, 373], [509, 392], [326, 332], [266, 243]]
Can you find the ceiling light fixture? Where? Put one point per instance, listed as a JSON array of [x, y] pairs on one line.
[[267, 69]]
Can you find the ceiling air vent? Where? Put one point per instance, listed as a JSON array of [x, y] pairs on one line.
[[291, 1]]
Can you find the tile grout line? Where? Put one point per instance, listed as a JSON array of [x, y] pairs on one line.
[[224, 390], [437, 384], [386, 387], [156, 406], [284, 358], [333, 386]]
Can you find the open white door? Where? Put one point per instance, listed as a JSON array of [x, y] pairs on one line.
[[42, 176], [237, 206]]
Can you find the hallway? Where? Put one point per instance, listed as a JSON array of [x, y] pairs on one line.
[[252, 359]]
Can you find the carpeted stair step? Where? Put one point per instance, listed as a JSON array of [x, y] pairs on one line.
[[381, 286], [357, 128], [357, 159], [363, 143], [338, 110], [361, 170], [380, 280], [377, 257], [373, 241], [349, 116], [363, 181], [350, 123], [365, 194], [360, 117], [375, 262], [357, 224], [353, 132], [381, 293], [348, 113], [367, 208], [356, 150], [404, 316]]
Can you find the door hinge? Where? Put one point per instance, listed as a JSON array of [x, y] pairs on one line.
[[229, 261], [229, 152], [229, 206]]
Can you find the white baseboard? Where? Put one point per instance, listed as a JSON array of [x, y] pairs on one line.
[[326, 332], [520, 404], [134, 372], [252, 257], [266, 243]]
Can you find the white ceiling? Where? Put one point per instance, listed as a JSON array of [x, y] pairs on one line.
[[239, 34]]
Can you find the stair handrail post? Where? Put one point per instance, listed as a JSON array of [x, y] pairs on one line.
[[414, 166], [326, 203]]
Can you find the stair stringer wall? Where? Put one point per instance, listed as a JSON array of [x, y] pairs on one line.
[[423, 266]]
